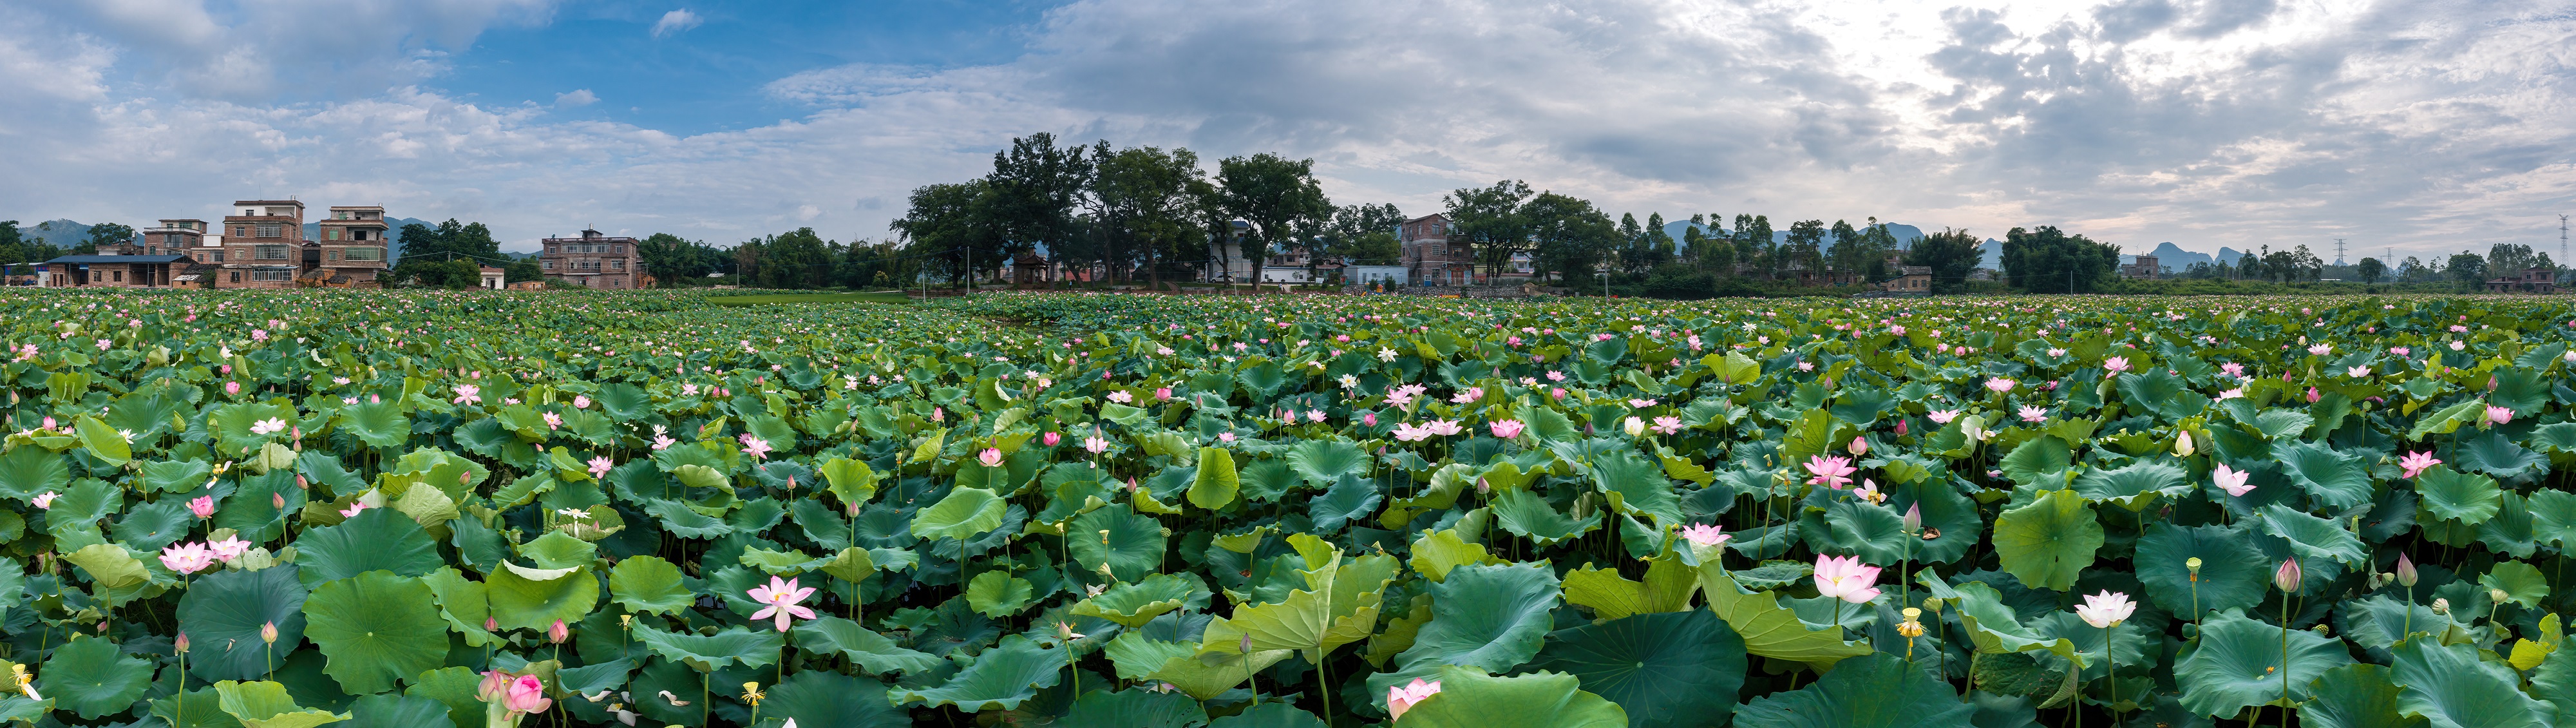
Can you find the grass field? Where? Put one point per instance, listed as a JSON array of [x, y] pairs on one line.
[[763, 300]]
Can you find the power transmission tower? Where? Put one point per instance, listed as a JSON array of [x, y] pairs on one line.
[[2338, 251], [2562, 239]]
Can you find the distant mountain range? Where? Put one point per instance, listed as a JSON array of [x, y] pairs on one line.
[[2168, 255], [67, 234]]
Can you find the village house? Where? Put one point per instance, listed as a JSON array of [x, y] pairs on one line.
[[2537, 279], [595, 260]]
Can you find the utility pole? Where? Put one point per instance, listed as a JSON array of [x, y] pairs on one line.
[[2562, 240]]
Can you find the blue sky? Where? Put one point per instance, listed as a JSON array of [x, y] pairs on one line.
[[2421, 125], [691, 78]]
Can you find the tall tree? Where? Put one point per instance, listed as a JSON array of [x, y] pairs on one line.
[[2468, 270], [672, 259], [1754, 244], [1363, 234], [1490, 220], [2370, 270], [1951, 254], [107, 234], [1570, 236], [946, 226], [1147, 200], [2048, 260], [429, 254], [1035, 189], [1805, 248], [1275, 196]]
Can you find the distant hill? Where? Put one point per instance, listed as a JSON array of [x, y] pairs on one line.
[[59, 233], [2169, 255]]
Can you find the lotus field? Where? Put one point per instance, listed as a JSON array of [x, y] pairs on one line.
[[422, 509]]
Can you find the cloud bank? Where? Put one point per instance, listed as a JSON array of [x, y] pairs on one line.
[[2422, 126]]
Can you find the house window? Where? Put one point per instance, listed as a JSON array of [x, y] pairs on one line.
[[273, 274], [120, 276], [219, 255], [367, 254], [270, 231], [550, 265], [331, 234], [271, 252], [236, 276], [617, 265]]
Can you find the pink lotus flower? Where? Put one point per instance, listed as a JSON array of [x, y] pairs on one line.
[[758, 448], [1705, 534], [1832, 472], [521, 694], [1368, 419], [1505, 429], [1403, 698], [2399, 350], [1858, 446], [1314, 416], [203, 506], [353, 509], [2313, 395], [45, 500], [1121, 396], [781, 597], [468, 394], [2416, 462], [1408, 433], [228, 549], [599, 467], [1052, 438], [2033, 414], [187, 558], [1443, 428], [1640, 403], [1095, 444], [2106, 610], [1667, 425], [553, 420], [268, 426], [2001, 385], [1162, 393], [991, 457], [1943, 417], [1471, 395], [1846, 578], [2499, 415], [2116, 364], [2233, 481]]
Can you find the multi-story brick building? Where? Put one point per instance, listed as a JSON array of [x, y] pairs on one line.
[[1431, 255], [595, 260], [260, 248], [352, 249]]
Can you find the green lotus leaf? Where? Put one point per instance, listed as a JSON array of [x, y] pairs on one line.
[[1132, 605], [1270, 715], [378, 424], [2555, 681], [646, 584], [2454, 496], [223, 615], [680, 521], [388, 710], [1667, 670], [2450, 687], [1132, 547], [2331, 477], [519, 602], [873, 652], [998, 594], [2135, 486], [2522, 583], [110, 566], [1668, 587], [1338, 607], [963, 514], [2379, 622], [1349, 501], [1133, 708], [2494, 455], [1877, 691], [378, 539], [1874, 532], [783, 563], [1635, 486], [2049, 542], [1001, 677], [375, 628], [1527, 515], [556, 550], [2355, 696], [1994, 628], [1768, 629], [2035, 459], [90, 677], [1437, 552], [2233, 575], [2311, 537], [1216, 483], [708, 653], [102, 441], [1489, 617], [826, 699], [265, 704], [2237, 664], [850, 480], [1468, 698], [453, 687], [26, 472]]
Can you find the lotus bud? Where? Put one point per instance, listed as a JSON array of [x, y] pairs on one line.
[[2406, 576], [491, 624], [1634, 427], [1914, 517], [1900, 427], [624, 620], [558, 633], [278, 500], [2182, 445], [1245, 646], [2497, 596], [301, 483], [2287, 577], [1859, 446], [180, 643], [2441, 606]]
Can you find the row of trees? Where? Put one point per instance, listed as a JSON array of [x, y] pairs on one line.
[[16, 247]]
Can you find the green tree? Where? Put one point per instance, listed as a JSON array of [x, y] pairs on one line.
[[1276, 196], [450, 241], [672, 259], [1754, 244], [1569, 236], [1951, 254], [947, 230], [2468, 270], [2048, 260], [1490, 219], [13, 248], [1804, 250], [107, 234], [1363, 234], [1033, 192], [521, 270], [2370, 270], [1148, 203]]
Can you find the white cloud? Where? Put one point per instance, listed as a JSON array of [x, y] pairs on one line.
[[2420, 125], [575, 98], [675, 21]]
